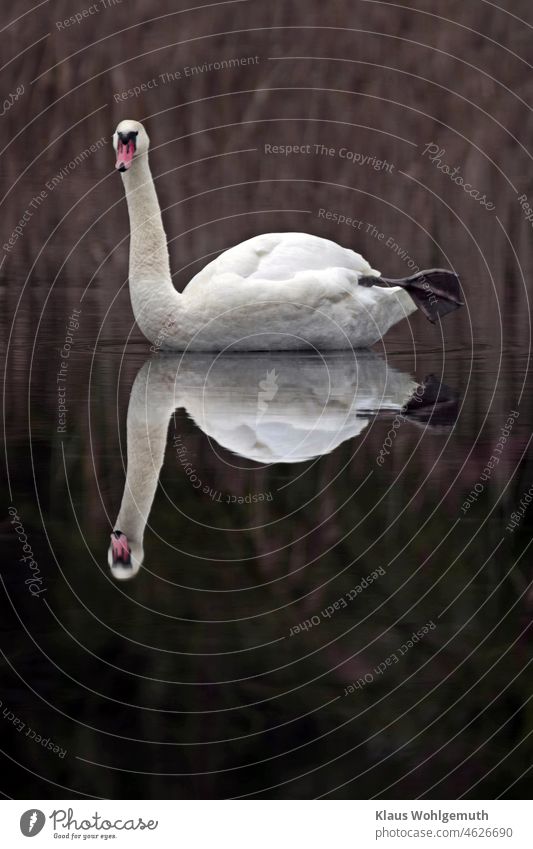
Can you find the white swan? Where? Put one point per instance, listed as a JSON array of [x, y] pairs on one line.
[[270, 408], [277, 291]]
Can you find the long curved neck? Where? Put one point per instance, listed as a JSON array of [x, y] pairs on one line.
[[153, 295]]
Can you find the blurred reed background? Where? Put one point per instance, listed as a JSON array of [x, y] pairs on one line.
[[397, 80]]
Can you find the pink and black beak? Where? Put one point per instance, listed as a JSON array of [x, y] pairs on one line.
[[126, 147], [120, 550]]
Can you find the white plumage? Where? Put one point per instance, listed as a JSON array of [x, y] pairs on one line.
[[277, 291], [285, 291]]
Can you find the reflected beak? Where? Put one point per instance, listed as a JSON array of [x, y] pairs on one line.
[[120, 549]]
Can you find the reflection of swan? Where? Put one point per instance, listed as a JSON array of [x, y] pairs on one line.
[[271, 408], [277, 291], [279, 409]]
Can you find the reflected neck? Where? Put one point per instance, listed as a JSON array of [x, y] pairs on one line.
[[149, 412]]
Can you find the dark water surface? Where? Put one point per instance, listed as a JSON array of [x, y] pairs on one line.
[[263, 647]]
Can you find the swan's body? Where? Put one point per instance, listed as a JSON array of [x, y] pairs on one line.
[[266, 408], [287, 291], [277, 291]]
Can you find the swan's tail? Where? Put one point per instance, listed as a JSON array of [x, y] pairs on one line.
[[436, 292]]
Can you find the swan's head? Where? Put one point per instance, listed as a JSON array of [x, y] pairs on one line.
[[130, 141], [125, 557]]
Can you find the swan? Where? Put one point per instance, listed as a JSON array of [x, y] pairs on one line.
[[269, 408], [276, 291]]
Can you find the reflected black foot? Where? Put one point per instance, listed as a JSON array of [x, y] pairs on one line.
[[435, 292], [433, 402]]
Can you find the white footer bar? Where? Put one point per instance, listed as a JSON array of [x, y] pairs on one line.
[[264, 824]]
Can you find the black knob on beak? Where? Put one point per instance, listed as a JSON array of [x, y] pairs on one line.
[[126, 138]]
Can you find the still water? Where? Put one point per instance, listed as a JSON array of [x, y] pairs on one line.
[[327, 594]]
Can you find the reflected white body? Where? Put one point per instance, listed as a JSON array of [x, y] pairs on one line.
[[266, 408], [276, 291]]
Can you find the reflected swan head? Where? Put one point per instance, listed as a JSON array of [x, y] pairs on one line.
[[130, 141], [125, 557]]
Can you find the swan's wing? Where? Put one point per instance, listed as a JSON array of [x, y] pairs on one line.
[[276, 257], [282, 288]]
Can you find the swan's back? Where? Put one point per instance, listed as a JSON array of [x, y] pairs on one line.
[[279, 257]]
